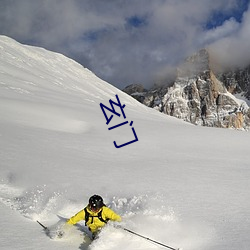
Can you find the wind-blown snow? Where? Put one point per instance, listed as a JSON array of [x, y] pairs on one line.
[[182, 185]]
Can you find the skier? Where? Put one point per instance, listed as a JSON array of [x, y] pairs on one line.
[[95, 214]]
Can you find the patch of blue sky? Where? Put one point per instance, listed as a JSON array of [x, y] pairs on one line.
[[96, 34], [219, 17], [131, 22], [136, 21], [91, 36]]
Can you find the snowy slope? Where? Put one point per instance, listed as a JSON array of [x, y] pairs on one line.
[[182, 185]]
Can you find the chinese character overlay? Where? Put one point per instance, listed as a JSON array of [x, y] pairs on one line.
[[113, 112]]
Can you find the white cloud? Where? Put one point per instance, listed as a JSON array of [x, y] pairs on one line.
[[228, 28], [97, 33], [233, 50]]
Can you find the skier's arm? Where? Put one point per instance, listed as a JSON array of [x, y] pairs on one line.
[[77, 217], [110, 214]]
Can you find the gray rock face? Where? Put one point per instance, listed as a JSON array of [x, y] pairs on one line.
[[201, 97], [137, 91], [237, 81]]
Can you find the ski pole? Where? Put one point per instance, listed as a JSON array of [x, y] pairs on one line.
[[146, 238], [45, 228]]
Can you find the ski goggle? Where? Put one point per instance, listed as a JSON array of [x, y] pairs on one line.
[[94, 208]]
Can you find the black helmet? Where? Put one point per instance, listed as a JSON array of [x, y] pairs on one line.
[[96, 202]]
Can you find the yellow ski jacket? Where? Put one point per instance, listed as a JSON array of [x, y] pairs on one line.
[[94, 223]]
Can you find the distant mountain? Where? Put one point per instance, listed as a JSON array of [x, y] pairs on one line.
[[237, 81], [201, 95]]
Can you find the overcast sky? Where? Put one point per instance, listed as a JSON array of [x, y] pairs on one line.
[[131, 41]]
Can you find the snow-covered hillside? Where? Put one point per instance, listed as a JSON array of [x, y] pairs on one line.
[[179, 184]]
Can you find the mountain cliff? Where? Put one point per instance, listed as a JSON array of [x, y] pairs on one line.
[[202, 96]]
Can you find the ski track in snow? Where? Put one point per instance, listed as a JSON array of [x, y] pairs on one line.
[[43, 117]]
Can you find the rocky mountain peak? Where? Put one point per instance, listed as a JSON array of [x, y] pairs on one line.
[[200, 96], [196, 64]]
